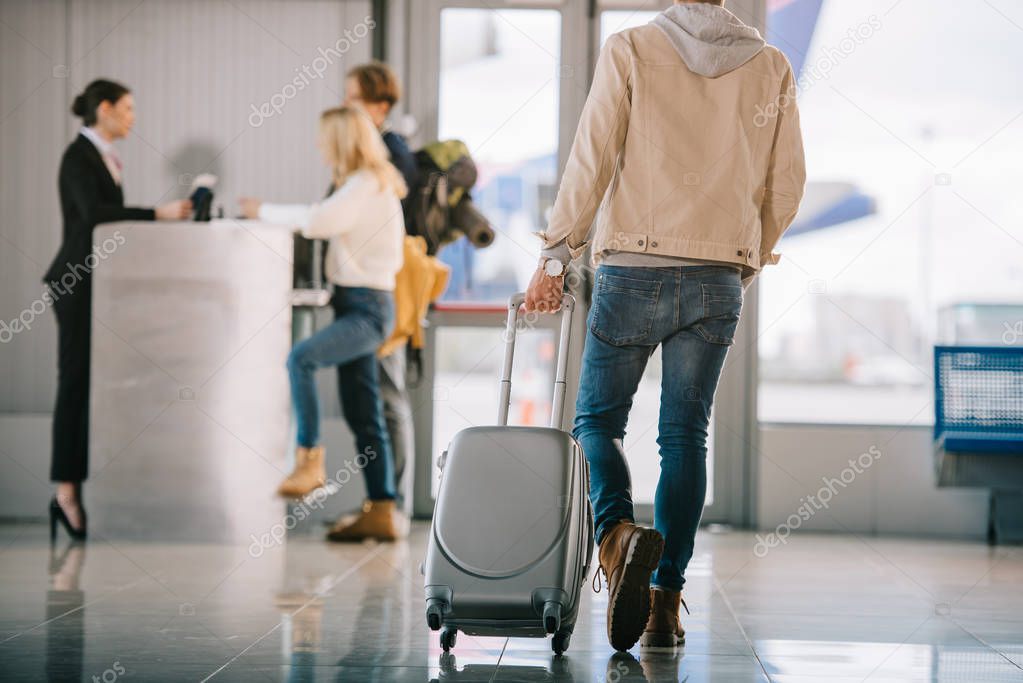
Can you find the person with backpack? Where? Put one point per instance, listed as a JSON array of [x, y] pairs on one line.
[[374, 88], [702, 187], [362, 219]]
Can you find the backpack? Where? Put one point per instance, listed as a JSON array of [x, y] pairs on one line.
[[441, 208]]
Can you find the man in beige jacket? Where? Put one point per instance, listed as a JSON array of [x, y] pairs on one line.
[[689, 146]]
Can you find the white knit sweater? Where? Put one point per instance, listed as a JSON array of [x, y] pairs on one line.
[[364, 226]]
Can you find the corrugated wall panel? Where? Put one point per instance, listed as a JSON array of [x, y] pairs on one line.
[[196, 67], [33, 114]]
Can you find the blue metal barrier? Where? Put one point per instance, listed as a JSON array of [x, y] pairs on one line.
[[978, 399]]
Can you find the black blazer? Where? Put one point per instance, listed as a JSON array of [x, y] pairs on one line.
[[88, 196]]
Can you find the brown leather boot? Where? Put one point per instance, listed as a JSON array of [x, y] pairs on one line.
[[309, 473], [380, 519], [664, 629], [628, 555]]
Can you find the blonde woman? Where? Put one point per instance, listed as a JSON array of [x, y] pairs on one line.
[[362, 219]]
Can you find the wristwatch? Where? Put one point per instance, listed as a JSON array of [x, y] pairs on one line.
[[553, 267]]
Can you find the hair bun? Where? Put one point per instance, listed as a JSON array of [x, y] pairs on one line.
[[78, 106]]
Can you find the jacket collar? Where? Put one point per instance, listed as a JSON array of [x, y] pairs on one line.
[[103, 146], [93, 152]]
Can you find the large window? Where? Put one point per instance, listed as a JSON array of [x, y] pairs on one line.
[[911, 206], [499, 93], [499, 85]]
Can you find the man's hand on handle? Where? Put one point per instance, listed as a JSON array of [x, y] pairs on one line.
[[544, 292]]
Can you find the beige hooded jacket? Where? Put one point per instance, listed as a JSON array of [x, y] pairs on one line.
[[689, 144]]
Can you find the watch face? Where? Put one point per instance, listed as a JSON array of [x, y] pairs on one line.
[[554, 267]]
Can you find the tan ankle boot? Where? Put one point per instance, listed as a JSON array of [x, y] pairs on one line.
[[379, 519], [628, 556], [664, 629], [309, 473]]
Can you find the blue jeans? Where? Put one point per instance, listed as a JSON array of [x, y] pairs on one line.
[[362, 319], [692, 312]]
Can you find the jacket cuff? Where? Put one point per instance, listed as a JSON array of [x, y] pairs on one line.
[[560, 249], [560, 252]]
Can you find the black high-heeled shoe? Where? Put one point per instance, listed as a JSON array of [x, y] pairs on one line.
[[57, 514]]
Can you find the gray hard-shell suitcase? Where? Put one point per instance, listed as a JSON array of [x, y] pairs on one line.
[[511, 539]]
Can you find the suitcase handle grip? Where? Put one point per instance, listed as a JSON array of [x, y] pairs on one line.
[[515, 301]]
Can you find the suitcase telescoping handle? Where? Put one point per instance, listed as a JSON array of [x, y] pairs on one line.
[[558, 403]]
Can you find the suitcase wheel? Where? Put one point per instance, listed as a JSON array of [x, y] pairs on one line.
[[434, 614], [552, 617], [448, 636], [560, 641]]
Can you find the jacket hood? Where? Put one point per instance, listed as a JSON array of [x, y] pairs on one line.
[[710, 40]]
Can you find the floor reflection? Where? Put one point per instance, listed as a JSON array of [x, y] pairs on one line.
[[65, 613], [559, 669], [819, 608], [622, 667]]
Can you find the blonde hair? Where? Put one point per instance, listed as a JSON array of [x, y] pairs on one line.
[[354, 144]]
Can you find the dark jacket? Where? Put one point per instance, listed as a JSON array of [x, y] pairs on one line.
[[88, 196], [401, 157]]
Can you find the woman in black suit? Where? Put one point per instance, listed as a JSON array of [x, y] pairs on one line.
[[90, 194]]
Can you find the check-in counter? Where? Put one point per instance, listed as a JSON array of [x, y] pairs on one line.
[[190, 404]]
